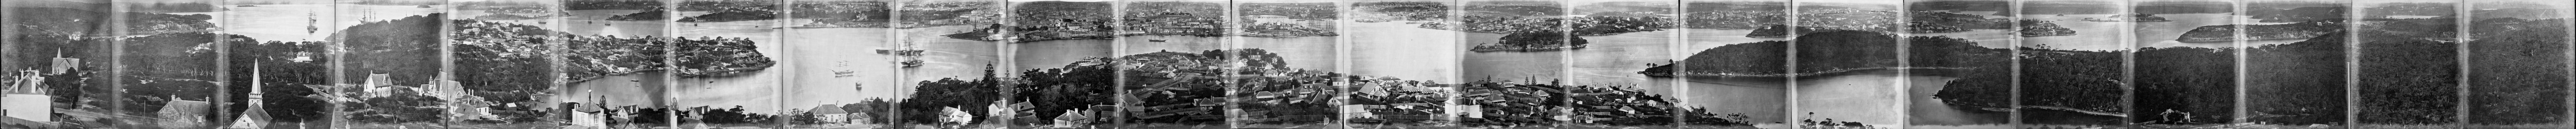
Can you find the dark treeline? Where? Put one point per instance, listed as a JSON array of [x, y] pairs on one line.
[[2184, 86], [1939, 22], [1320, 10], [730, 10], [1408, 11], [407, 50], [1053, 91], [171, 7], [2036, 28], [395, 2], [288, 72], [1513, 8], [79, 22], [2070, 7], [161, 68], [492, 60], [2300, 14], [2383, 10], [2297, 83], [2002, 7], [611, 4], [1051, 20], [1638, 7], [738, 116], [719, 57], [1852, 51], [647, 14], [944, 13], [2301, 30], [2095, 7], [2517, 71], [1735, 15], [722, 5], [2409, 71], [1980, 70], [844, 13], [2536, 12], [971, 95]]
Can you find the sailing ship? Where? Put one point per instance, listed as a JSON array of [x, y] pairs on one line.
[[911, 54], [312, 22]]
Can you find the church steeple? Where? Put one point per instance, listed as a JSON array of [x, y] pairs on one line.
[[255, 83], [256, 116]]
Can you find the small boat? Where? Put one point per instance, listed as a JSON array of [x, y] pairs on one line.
[[845, 73], [912, 63], [1154, 40]]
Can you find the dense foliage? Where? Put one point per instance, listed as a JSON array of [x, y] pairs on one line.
[[2518, 71], [611, 4]]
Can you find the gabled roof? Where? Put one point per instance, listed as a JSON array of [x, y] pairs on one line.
[[254, 117], [184, 108], [827, 109]]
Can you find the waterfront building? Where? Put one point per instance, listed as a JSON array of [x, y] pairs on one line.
[[183, 114], [25, 99], [829, 113]]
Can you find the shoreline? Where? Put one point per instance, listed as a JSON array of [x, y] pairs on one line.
[[1806, 74], [2025, 35], [2102, 113], [2233, 39]]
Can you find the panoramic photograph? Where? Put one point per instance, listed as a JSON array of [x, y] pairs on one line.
[[2184, 79], [1604, 88], [2408, 59], [1287, 64], [1732, 65], [1962, 76], [1294, 46], [616, 40], [1403, 69], [725, 56], [2300, 84], [838, 65], [2078, 79], [2508, 89]]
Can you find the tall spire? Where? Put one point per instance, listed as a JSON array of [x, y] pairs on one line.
[[255, 82]]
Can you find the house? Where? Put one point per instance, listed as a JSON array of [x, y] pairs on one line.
[[829, 113], [1073, 119], [63, 65], [25, 98], [183, 114]]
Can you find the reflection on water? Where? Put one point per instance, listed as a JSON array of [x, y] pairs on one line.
[[946, 57], [633, 89], [594, 22], [1403, 51], [814, 55], [2104, 35], [1057, 53], [1864, 98], [288, 22]]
